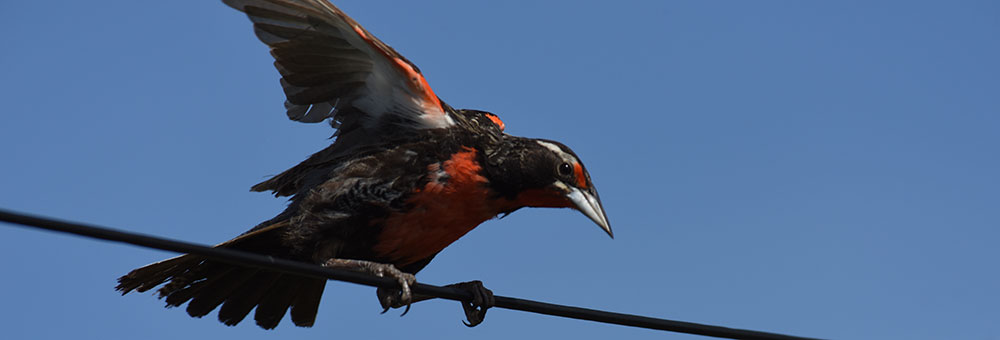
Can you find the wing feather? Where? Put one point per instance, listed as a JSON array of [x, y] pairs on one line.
[[331, 67]]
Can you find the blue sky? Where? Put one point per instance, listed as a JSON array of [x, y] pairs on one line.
[[826, 169]]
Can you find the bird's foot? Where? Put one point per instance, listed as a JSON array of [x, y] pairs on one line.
[[482, 300], [395, 298], [387, 297]]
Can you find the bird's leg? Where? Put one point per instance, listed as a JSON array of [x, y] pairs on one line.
[[475, 310], [482, 299], [393, 298]]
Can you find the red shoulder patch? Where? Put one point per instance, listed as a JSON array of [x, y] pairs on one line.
[[415, 80], [419, 85], [496, 120]]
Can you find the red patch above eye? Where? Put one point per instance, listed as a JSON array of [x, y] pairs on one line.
[[581, 180], [496, 120]]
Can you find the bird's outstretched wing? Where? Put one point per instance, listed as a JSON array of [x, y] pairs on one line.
[[331, 67]]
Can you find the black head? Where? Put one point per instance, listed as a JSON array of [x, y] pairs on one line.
[[545, 173]]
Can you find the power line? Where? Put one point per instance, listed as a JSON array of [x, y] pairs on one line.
[[308, 269]]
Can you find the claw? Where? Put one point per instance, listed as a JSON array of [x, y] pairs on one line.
[[406, 296], [396, 298], [482, 300], [388, 298], [475, 310]]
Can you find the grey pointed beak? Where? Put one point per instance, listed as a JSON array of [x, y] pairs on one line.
[[590, 205]]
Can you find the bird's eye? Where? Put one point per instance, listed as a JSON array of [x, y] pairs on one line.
[[565, 169]]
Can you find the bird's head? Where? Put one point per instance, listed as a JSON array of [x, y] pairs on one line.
[[548, 174]]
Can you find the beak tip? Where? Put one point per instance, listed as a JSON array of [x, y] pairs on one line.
[[606, 227], [590, 206]]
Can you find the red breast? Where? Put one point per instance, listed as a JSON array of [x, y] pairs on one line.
[[455, 200]]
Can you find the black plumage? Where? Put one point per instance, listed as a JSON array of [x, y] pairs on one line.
[[406, 175]]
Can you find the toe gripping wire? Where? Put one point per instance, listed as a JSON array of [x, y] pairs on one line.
[[448, 293]]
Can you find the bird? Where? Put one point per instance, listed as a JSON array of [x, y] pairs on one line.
[[405, 176]]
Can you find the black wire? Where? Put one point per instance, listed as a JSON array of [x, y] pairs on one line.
[[308, 269]]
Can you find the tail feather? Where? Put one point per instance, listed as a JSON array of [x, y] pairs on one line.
[[245, 298], [217, 289], [181, 295], [276, 302], [150, 276], [183, 277], [307, 303], [205, 284]]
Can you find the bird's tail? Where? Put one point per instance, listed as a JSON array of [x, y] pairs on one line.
[[205, 284]]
